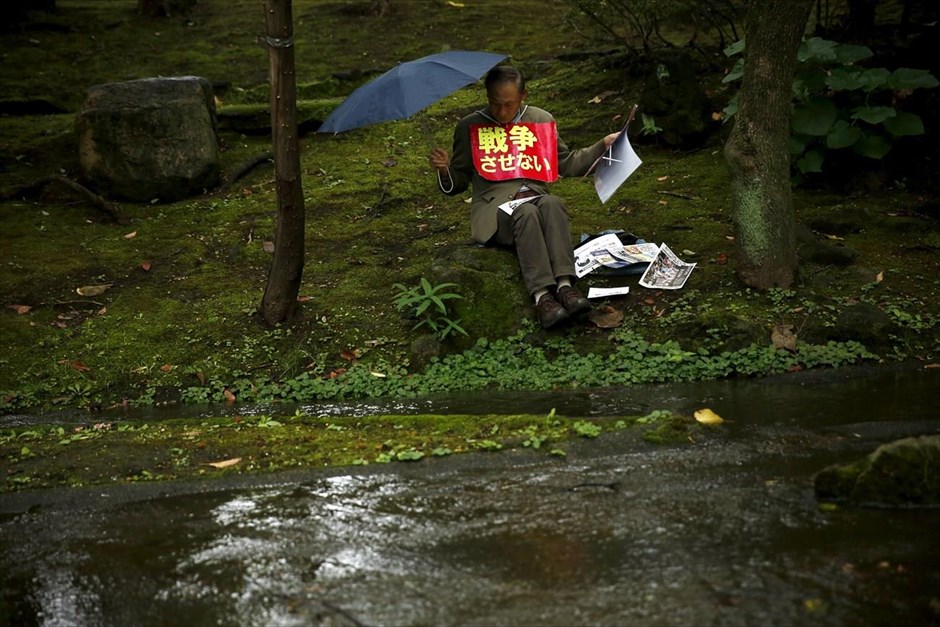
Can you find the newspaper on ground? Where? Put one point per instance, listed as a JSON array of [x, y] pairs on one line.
[[607, 250], [602, 292], [666, 272]]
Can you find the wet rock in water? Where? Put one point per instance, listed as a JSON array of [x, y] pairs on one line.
[[902, 473], [152, 138]]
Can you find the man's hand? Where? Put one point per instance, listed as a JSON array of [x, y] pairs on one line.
[[611, 139], [440, 160]]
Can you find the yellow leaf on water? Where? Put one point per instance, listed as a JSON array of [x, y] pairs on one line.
[[708, 417], [225, 463]]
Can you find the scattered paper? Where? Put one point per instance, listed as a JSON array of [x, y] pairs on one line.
[[614, 166], [601, 292], [607, 250], [666, 272], [510, 206]]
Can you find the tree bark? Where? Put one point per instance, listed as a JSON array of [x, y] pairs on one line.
[[279, 303], [756, 150]]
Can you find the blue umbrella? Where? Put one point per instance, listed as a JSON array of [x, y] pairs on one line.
[[408, 88]]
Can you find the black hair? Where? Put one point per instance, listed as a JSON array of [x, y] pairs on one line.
[[504, 74]]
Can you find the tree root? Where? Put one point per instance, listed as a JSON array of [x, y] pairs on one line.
[[36, 187]]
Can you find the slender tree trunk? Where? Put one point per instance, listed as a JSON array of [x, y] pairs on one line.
[[279, 303], [756, 151]]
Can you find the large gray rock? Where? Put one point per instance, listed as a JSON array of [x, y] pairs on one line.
[[153, 138]]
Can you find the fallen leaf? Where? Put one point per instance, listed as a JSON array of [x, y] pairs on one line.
[[606, 317], [662, 178], [351, 355], [717, 116], [131, 235], [166, 367], [689, 253], [595, 100], [835, 237], [932, 366], [721, 258], [664, 202], [729, 237], [101, 311], [246, 191], [93, 290], [880, 277], [20, 309], [225, 463], [707, 417], [74, 364], [649, 300], [146, 265], [782, 336], [303, 299], [267, 246]]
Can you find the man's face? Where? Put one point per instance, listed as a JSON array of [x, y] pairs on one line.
[[505, 100]]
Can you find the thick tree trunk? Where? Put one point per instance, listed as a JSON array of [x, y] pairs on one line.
[[279, 303], [756, 151]]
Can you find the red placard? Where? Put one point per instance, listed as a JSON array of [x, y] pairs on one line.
[[524, 150]]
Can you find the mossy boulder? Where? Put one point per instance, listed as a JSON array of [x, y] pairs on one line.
[[151, 138], [901, 473]]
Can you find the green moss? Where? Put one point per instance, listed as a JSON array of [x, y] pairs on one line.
[[106, 452], [374, 218]]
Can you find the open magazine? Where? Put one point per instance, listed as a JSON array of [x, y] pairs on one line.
[[666, 271]]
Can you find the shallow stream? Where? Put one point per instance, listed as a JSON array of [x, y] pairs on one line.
[[724, 530]]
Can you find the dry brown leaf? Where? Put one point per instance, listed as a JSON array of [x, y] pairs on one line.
[[74, 364], [166, 367], [131, 235], [606, 317], [662, 178], [225, 463], [932, 366], [20, 309], [880, 277], [351, 354], [101, 311], [268, 246], [782, 336], [93, 290], [303, 299], [146, 265]]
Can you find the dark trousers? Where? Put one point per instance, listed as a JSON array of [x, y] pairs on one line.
[[541, 234]]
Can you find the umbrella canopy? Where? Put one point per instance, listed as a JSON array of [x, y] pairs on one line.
[[408, 88]]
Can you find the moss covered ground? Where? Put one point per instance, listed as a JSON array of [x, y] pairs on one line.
[[178, 319]]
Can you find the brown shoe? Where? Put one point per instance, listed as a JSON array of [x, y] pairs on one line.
[[572, 300], [550, 312]]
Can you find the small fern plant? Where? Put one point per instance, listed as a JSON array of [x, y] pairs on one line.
[[426, 303]]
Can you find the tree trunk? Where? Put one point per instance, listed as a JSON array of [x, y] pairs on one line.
[[756, 151], [279, 303]]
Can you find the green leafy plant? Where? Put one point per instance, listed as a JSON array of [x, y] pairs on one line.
[[840, 105], [426, 303]]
